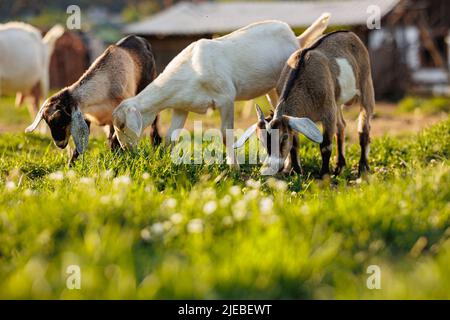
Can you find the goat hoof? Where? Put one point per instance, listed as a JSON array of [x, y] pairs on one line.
[[363, 168], [338, 170], [323, 173]]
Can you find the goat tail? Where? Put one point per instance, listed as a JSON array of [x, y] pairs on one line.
[[155, 138], [314, 31], [51, 36]]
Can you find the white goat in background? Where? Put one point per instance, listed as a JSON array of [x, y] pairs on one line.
[[25, 59], [214, 73]]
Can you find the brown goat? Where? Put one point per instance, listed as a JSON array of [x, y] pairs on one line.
[[122, 71], [314, 84]]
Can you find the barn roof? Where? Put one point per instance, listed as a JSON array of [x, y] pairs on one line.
[[187, 18]]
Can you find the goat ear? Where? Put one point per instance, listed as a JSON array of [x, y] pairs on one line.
[[37, 119], [79, 130], [306, 127], [247, 134], [134, 121], [259, 113]]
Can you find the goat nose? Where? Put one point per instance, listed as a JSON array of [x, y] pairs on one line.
[[61, 143]]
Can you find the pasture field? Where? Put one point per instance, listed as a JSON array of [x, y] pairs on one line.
[[139, 226]]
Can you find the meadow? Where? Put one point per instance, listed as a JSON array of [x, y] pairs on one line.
[[139, 226]]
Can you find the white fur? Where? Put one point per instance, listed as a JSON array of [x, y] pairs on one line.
[[242, 65], [347, 81], [25, 57]]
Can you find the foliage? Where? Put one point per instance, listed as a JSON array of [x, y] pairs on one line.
[[432, 105], [141, 227]]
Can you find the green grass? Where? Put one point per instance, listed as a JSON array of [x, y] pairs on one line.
[[141, 227], [428, 106]]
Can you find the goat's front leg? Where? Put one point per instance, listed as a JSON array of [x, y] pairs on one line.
[[325, 150], [292, 161], [227, 118], [178, 120], [75, 153], [155, 138]]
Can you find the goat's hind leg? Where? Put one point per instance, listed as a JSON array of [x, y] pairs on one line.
[[340, 142], [365, 115], [329, 130], [227, 118]]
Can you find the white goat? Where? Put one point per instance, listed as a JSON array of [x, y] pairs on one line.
[[213, 74], [25, 59]]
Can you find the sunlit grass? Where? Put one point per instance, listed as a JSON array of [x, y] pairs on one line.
[[141, 227]]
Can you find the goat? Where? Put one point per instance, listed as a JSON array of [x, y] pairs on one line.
[[25, 59], [315, 83], [213, 74], [123, 70]]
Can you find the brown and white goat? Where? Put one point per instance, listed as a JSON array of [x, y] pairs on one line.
[[315, 83], [122, 71]]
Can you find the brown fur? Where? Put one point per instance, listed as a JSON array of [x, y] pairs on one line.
[[121, 72], [309, 87]]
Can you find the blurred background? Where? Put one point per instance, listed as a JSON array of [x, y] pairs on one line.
[[409, 48]]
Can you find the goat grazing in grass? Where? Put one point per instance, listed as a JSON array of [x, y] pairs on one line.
[[213, 74], [315, 83], [24, 61], [123, 70]]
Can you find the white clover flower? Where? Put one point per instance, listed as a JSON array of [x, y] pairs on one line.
[[253, 184], [105, 199], [176, 218], [86, 180], [240, 210], [10, 185], [227, 221], [304, 209], [250, 195], [107, 174], [146, 176], [208, 193], [276, 184], [210, 207], [235, 190], [266, 205], [71, 174], [145, 234], [122, 181], [149, 188], [56, 176], [225, 201], [195, 226], [29, 192], [170, 203], [157, 228]]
